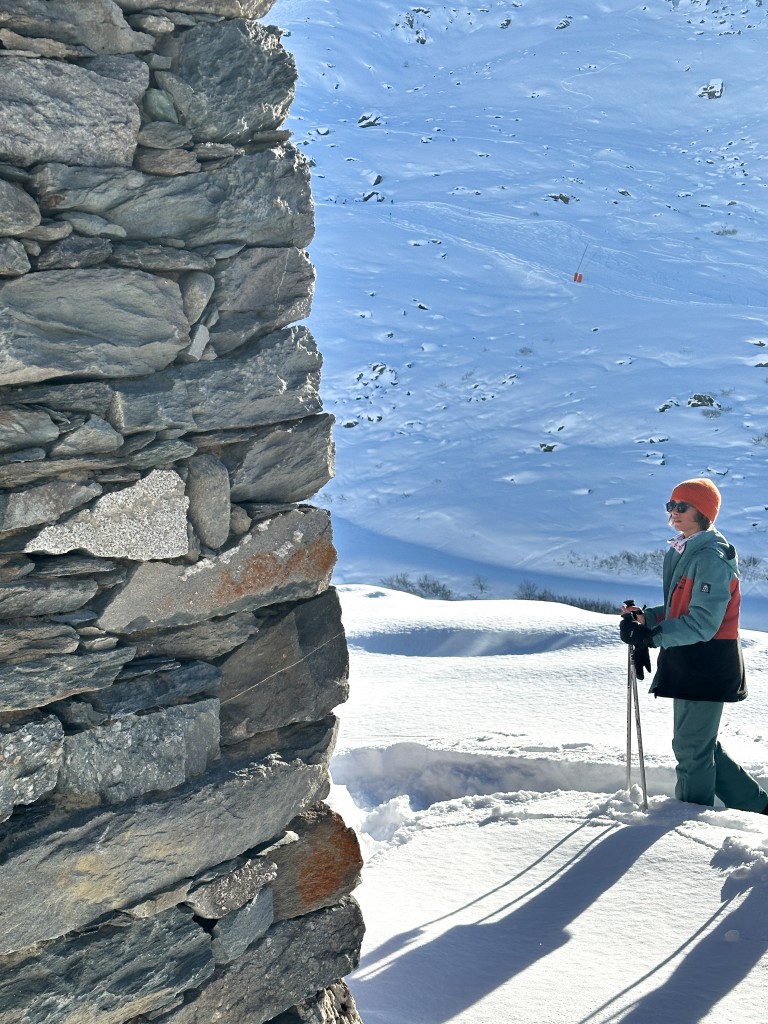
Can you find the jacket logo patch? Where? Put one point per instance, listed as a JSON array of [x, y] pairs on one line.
[[706, 587]]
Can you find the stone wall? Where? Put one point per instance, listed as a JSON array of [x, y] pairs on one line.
[[171, 651]]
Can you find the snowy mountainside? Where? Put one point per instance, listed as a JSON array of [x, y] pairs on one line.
[[468, 160]]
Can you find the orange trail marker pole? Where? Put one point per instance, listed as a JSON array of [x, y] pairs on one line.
[[578, 277]]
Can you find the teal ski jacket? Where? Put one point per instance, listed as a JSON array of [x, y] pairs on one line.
[[697, 627]]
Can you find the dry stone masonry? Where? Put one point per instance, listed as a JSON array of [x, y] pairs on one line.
[[171, 650]]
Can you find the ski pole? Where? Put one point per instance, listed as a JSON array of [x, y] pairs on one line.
[[630, 666], [632, 697], [640, 756]]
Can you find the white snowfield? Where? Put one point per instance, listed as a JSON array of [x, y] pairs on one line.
[[510, 876]]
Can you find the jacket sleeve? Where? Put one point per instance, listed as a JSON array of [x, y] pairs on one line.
[[653, 616], [710, 593]]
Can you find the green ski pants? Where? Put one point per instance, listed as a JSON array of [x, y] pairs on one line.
[[704, 770]]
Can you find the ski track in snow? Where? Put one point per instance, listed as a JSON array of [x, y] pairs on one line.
[[542, 688]]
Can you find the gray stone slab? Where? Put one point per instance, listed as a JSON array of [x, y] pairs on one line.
[[259, 291], [18, 210], [157, 24], [259, 199], [33, 684], [16, 45], [196, 291], [94, 437], [44, 597], [239, 521], [284, 462], [225, 8], [140, 754], [272, 380], [160, 453], [73, 252], [228, 81], [31, 248], [120, 468], [49, 230], [232, 889], [26, 455], [91, 862], [12, 173], [75, 565], [144, 256], [163, 135], [110, 974], [14, 566], [31, 641], [14, 261], [30, 755], [130, 70], [287, 557], [50, 110], [34, 467], [43, 503], [154, 60], [294, 961], [200, 336], [222, 251], [158, 106], [233, 934], [145, 521], [312, 743], [167, 162], [93, 226], [160, 901], [157, 686], [217, 150], [97, 323], [208, 494], [74, 713], [208, 639], [97, 25], [25, 428], [294, 670]]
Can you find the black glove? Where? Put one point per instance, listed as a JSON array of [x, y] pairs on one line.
[[634, 633], [641, 659]]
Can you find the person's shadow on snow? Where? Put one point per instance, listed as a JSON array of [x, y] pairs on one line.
[[439, 979], [712, 968]]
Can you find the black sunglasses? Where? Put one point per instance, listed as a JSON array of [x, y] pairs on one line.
[[677, 506]]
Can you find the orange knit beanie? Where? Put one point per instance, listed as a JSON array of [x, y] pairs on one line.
[[702, 494]]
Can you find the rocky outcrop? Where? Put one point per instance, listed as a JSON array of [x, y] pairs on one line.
[[171, 650]]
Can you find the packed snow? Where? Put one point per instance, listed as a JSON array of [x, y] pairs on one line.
[[510, 875], [541, 302]]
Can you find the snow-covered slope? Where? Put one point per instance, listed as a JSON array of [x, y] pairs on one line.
[[496, 417], [499, 421]]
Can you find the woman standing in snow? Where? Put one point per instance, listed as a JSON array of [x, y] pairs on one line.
[[700, 663]]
